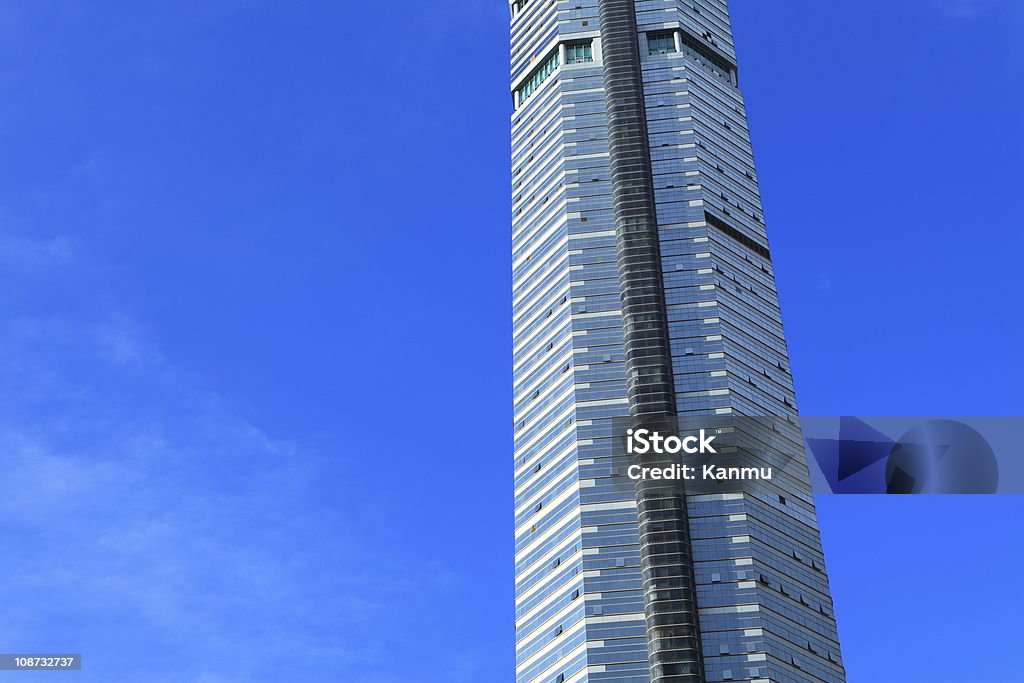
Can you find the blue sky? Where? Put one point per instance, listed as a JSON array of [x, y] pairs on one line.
[[253, 251]]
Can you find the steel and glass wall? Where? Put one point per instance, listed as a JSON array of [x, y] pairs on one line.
[[587, 607]]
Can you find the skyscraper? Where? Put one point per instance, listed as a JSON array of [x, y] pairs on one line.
[[643, 287]]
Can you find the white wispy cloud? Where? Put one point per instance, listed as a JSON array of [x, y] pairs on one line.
[[823, 283], [966, 10], [142, 513], [18, 253]]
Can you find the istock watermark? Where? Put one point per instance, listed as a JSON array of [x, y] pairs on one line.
[[839, 455], [644, 441], [706, 454]]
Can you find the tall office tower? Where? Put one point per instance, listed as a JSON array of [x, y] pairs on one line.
[[642, 288]]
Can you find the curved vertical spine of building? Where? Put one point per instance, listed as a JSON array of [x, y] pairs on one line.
[[669, 589]]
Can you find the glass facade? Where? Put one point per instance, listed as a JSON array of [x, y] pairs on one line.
[[579, 52], [538, 76], [584, 587], [661, 42]]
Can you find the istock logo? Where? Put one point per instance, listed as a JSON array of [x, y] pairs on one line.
[[644, 441]]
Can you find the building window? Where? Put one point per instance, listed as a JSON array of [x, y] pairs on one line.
[[579, 52], [538, 76], [718, 67], [661, 43]]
